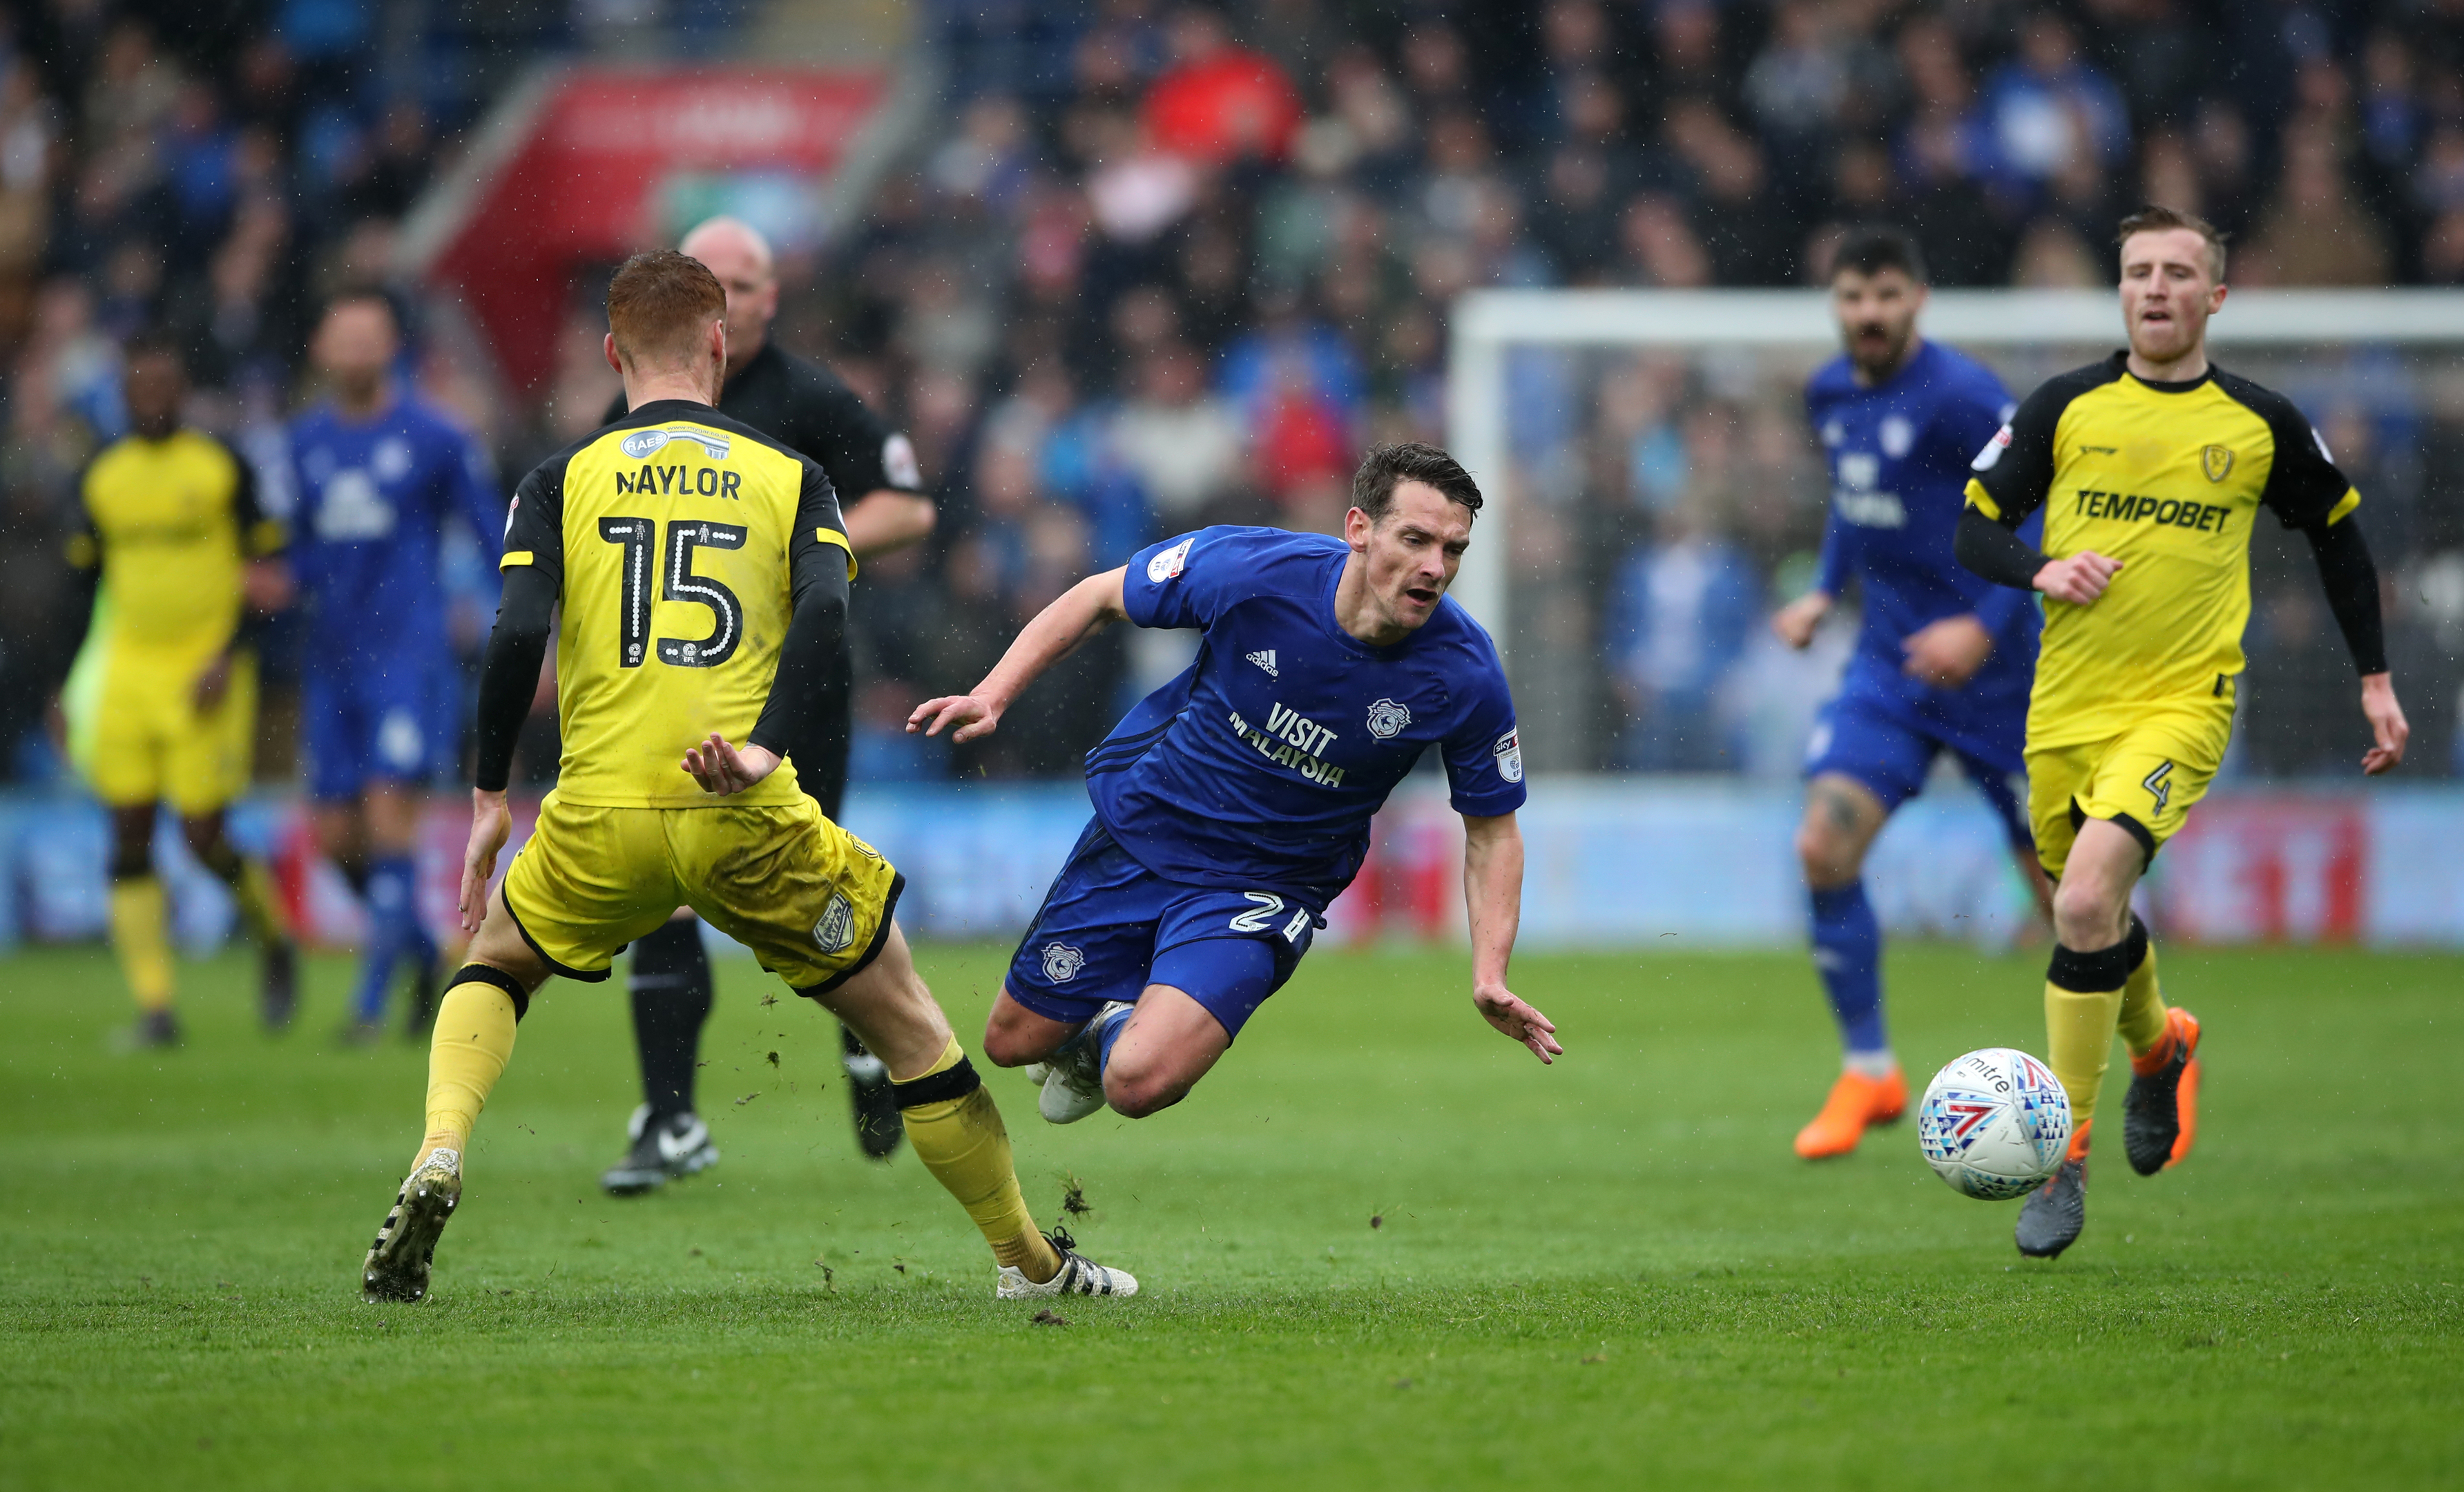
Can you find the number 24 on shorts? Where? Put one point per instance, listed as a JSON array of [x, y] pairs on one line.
[[1260, 917]]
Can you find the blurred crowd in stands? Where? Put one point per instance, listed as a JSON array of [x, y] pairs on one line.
[[1155, 265]]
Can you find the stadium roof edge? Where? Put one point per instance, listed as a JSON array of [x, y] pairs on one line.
[[441, 212]]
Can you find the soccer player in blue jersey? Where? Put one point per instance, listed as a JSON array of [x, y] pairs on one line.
[[379, 474], [1943, 662], [1234, 803]]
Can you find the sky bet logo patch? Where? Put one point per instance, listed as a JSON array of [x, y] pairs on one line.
[[1509, 752], [642, 444]]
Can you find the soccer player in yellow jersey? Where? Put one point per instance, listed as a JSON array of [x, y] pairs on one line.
[[2150, 468], [702, 571], [161, 704]]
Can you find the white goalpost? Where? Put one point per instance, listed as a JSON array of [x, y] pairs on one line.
[[1488, 323]]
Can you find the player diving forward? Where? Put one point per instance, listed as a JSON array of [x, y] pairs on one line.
[[1942, 659], [161, 703], [2150, 468], [704, 579], [1234, 803]]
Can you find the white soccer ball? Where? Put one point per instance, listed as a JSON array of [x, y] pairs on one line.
[[1994, 1123]]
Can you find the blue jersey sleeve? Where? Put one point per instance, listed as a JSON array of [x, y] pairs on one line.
[[477, 499], [1831, 570], [1485, 753], [1187, 581], [307, 497]]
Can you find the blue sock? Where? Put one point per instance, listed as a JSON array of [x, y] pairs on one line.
[[1109, 1033], [393, 932], [1848, 953]]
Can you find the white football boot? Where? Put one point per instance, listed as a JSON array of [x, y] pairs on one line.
[[1073, 1083], [1078, 1275], [398, 1263]]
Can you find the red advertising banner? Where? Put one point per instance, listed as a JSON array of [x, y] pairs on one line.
[[570, 172], [2267, 868]]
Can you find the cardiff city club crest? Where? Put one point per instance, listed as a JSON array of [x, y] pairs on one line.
[[1061, 961], [1387, 719]]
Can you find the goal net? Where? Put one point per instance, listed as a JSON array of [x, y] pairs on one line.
[[1654, 492]]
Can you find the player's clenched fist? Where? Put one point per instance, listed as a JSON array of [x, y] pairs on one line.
[[973, 714], [2078, 579]]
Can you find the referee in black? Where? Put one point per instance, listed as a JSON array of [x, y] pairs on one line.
[[806, 407]]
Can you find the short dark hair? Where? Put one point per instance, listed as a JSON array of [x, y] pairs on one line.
[[1877, 247], [362, 295], [2156, 219], [154, 345], [659, 304], [1384, 467]]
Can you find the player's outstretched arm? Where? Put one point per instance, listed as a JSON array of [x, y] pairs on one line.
[[1083, 610], [508, 682], [887, 519], [1794, 623], [2350, 578], [492, 824], [1494, 898], [1990, 551]]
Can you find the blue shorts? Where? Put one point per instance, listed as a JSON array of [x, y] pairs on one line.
[[1110, 927], [1889, 750], [396, 724]]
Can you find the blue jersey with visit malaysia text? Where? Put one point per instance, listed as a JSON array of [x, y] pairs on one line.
[[1899, 453], [1264, 763], [374, 498]]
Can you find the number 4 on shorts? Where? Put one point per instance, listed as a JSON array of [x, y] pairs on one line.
[[2156, 785]]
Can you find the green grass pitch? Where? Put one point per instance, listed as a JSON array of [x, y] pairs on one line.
[[1380, 1247]]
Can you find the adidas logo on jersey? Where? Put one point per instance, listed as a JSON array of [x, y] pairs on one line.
[[1264, 658]]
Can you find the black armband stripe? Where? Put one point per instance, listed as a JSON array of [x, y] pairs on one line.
[[482, 974]]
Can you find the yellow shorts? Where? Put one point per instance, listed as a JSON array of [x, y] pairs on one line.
[[810, 900], [2143, 780], [137, 737]]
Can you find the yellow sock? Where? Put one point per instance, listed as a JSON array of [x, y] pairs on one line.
[[2143, 1006], [259, 906], [475, 1038], [143, 940], [961, 1141]]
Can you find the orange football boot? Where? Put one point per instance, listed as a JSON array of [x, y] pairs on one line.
[[2159, 1116], [1855, 1102]]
